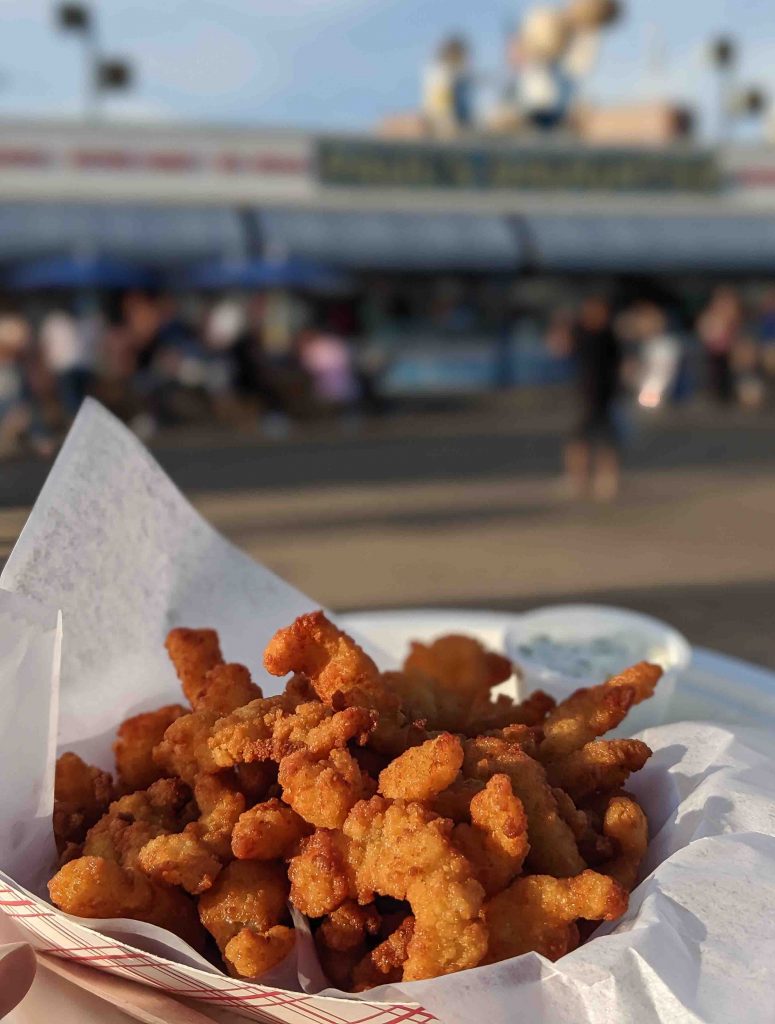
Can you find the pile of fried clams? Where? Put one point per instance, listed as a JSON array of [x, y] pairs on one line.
[[422, 827]]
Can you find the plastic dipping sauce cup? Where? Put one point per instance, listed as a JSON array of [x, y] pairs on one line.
[[563, 647]]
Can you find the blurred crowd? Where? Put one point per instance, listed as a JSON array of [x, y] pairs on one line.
[[265, 361], [637, 357], [240, 361]]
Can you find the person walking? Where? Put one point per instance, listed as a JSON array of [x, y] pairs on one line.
[[592, 454], [719, 328]]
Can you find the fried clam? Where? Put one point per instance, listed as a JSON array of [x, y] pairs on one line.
[[405, 851], [95, 887], [538, 913], [82, 794], [495, 842], [323, 788], [422, 772], [553, 847], [625, 824], [320, 874], [591, 712], [447, 683], [246, 913], [601, 765], [268, 831], [134, 744], [341, 674], [194, 857], [193, 652]]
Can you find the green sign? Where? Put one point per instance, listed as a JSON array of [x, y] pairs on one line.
[[375, 164]]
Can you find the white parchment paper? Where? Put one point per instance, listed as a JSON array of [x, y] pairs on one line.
[[114, 546]]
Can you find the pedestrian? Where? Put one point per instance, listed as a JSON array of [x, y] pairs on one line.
[[68, 345], [719, 328], [592, 454]]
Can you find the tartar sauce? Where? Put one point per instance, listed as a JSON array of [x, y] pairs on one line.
[[590, 659]]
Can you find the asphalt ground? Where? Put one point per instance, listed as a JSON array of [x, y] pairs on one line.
[[462, 506]]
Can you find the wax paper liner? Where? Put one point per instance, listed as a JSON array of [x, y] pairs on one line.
[[114, 546]]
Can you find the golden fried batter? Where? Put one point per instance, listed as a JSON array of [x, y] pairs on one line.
[[193, 652], [81, 796], [588, 713], [404, 851], [94, 887], [323, 790], [246, 894], [537, 913], [553, 848], [421, 773], [250, 953], [600, 765], [134, 744], [460, 663], [495, 842], [320, 874], [182, 859], [184, 751], [626, 825], [269, 831], [225, 688]]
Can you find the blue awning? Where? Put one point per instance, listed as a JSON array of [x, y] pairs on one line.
[[263, 274], [163, 234], [73, 272], [595, 242], [393, 240]]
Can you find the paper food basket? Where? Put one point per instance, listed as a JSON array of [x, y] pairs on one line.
[[112, 557]]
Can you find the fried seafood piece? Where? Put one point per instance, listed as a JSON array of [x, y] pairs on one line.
[[588, 713], [134, 744], [599, 765], [495, 842], [461, 664], [385, 963], [193, 652], [538, 913], [553, 848], [269, 831], [339, 671], [627, 826], [321, 875], [248, 895], [250, 953], [323, 789], [135, 819], [180, 859], [97, 888], [245, 735], [225, 688], [405, 851], [194, 857], [421, 773], [82, 794], [184, 751]]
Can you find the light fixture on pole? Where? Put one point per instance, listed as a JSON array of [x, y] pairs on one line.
[[101, 74]]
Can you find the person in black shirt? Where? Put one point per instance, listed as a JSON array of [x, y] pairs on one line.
[[592, 454]]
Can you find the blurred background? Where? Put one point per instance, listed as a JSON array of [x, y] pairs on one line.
[[470, 306]]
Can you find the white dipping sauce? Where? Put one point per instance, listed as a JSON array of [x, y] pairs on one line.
[[596, 658]]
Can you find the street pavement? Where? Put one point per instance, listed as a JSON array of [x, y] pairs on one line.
[[463, 507]]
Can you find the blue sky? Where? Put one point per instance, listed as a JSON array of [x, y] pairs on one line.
[[341, 63]]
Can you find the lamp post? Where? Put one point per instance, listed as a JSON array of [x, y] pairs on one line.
[[101, 74]]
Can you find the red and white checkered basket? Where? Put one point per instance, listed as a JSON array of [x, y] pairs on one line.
[[52, 932]]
